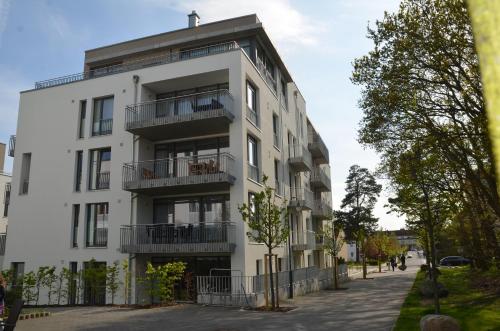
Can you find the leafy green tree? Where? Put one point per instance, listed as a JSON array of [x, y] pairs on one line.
[[356, 216], [267, 222], [29, 284], [49, 281], [112, 280], [149, 282], [60, 286], [167, 275], [94, 279], [381, 241], [126, 280], [40, 280]]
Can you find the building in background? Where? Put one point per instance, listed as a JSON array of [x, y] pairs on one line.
[[5, 179], [148, 153]]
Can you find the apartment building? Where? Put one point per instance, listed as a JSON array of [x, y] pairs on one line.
[[147, 154], [5, 178]]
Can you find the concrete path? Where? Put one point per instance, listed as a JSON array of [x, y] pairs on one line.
[[371, 304]]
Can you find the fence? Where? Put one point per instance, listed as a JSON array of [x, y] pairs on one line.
[[236, 290]]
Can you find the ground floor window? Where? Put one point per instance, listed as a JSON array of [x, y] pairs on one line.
[[94, 291]]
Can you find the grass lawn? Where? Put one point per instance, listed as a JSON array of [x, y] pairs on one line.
[[475, 309]]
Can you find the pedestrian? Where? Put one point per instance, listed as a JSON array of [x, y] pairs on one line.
[[403, 259], [3, 286], [393, 263]]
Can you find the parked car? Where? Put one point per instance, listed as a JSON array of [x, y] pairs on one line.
[[454, 261]]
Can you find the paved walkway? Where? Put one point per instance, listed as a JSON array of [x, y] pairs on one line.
[[371, 304]]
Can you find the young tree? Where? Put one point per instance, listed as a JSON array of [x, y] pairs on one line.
[[29, 283], [112, 280], [332, 242], [40, 281], [381, 241], [268, 223], [49, 282], [149, 281], [167, 275], [126, 280]]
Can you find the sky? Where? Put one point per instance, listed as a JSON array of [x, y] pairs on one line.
[[318, 40]]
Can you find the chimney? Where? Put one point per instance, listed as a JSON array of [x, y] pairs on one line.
[[193, 19], [2, 156]]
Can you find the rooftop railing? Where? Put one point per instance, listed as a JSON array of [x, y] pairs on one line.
[[139, 64]]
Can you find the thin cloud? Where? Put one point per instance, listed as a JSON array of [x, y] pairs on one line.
[[4, 16], [287, 26]]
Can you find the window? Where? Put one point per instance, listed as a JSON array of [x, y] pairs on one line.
[[253, 162], [17, 273], [81, 120], [74, 227], [94, 291], [258, 267], [301, 125], [78, 169], [252, 112], [72, 283], [102, 120], [6, 200], [100, 164], [276, 126], [191, 210], [25, 173], [97, 225], [284, 100], [277, 176]]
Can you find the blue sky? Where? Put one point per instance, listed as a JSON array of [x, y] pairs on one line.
[[41, 39]]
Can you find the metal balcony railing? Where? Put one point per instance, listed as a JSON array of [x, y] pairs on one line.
[[192, 170], [12, 145], [320, 179], [3, 238], [98, 238], [140, 64], [253, 172], [322, 209], [301, 198], [178, 238], [318, 148], [299, 158], [298, 240], [178, 110], [102, 127]]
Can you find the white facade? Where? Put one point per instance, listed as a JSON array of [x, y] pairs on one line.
[[42, 212]]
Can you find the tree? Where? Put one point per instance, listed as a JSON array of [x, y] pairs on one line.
[[422, 90], [49, 281], [112, 280], [267, 222], [381, 241], [126, 280], [167, 275], [149, 281], [362, 191], [29, 283], [40, 280], [332, 243]]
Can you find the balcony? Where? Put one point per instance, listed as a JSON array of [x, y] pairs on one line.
[[200, 173], [320, 180], [141, 64], [12, 145], [301, 199], [319, 151], [190, 115], [178, 238], [299, 158], [302, 241], [3, 238], [322, 210]]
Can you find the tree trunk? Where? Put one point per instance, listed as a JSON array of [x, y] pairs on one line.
[[270, 263], [379, 263], [335, 274], [434, 275]]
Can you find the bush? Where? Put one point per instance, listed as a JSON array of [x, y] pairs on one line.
[[341, 260], [426, 289]]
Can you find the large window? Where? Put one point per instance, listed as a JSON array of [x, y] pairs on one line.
[[25, 173], [97, 225], [252, 155], [100, 165], [192, 210], [252, 111], [102, 119]]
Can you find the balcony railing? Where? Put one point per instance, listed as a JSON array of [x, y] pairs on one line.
[[298, 241], [318, 149], [12, 145], [178, 172], [3, 238], [322, 209], [102, 127], [178, 238], [253, 117], [99, 238], [300, 158], [140, 64], [320, 180], [301, 198], [253, 173], [199, 113]]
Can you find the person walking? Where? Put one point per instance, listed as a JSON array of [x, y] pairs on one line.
[[403, 259], [393, 263]]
